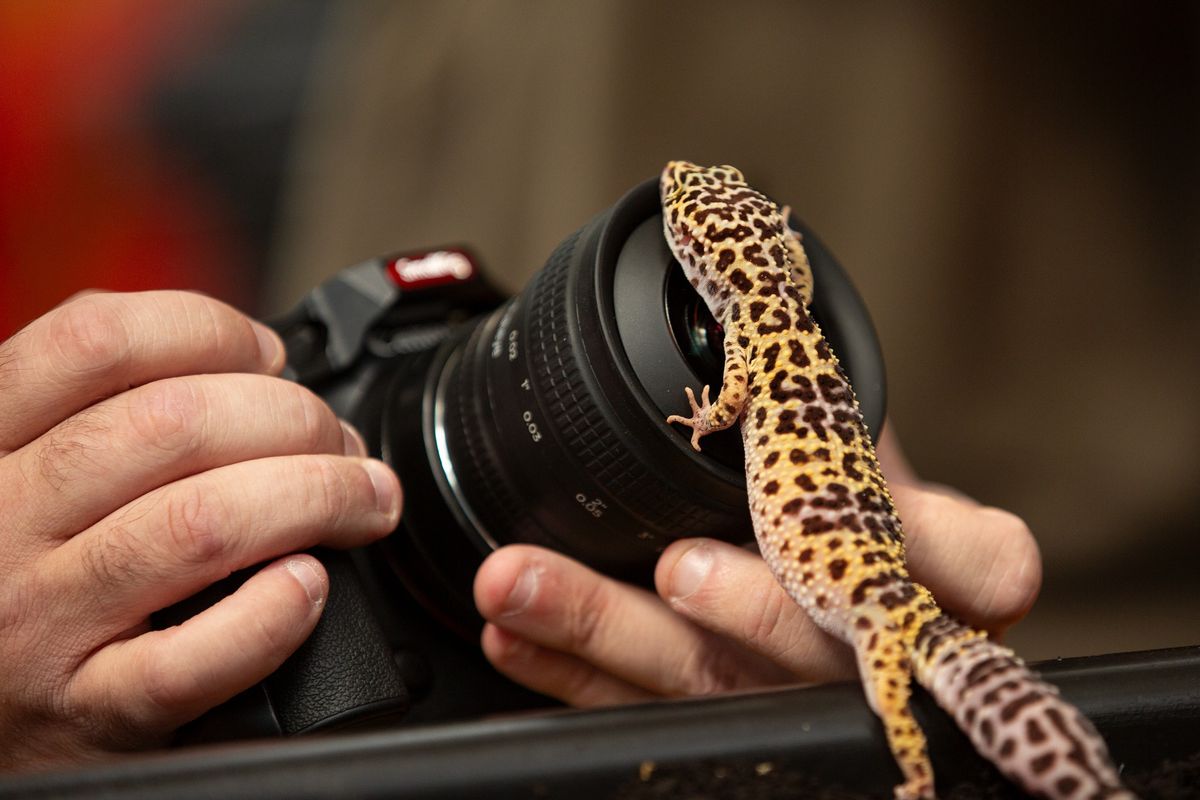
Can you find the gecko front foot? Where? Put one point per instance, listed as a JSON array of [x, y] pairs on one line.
[[700, 421]]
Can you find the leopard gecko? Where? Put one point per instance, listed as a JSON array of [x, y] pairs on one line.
[[822, 513]]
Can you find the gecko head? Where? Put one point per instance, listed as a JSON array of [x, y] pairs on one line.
[[680, 176], [698, 205]]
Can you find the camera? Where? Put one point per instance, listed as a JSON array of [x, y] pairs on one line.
[[538, 418]]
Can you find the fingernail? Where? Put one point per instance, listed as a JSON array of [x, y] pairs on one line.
[[270, 346], [352, 441], [523, 590], [308, 578], [387, 492], [690, 571]]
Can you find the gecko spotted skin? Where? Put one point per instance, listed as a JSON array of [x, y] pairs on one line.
[[822, 513]]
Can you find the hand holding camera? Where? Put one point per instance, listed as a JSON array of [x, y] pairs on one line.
[[149, 450]]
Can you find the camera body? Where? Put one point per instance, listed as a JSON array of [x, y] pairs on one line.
[[539, 419]]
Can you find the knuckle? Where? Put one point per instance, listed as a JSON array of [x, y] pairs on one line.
[[15, 352], [167, 684], [585, 625], [329, 488], [764, 617], [210, 327], [76, 446], [168, 415], [88, 336], [18, 607], [192, 521], [272, 641], [224, 328], [310, 420], [113, 556]]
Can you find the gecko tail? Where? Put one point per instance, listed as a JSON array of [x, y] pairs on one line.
[[1015, 720]]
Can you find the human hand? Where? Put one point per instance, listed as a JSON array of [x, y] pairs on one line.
[[720, 621], [147, 450]]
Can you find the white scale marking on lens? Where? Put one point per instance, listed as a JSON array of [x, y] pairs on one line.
[[497, 348]]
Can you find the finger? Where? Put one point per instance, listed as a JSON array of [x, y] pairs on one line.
[[732, 592], [182, 537], [982, 564], [559, 675], [102, 344], [563, 606], [161, 679], [109, 454]]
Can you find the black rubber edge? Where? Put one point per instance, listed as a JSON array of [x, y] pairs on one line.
[[1146, 704]]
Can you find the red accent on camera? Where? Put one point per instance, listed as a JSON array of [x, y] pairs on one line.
[[432, 268]]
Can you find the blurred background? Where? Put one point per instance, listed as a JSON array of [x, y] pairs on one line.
[[1015, 188]]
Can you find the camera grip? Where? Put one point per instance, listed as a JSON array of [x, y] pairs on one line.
[[344, 674]]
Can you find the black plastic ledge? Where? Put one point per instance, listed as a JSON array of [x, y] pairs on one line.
[[1146, 704]]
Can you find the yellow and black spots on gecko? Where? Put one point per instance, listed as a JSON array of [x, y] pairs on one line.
[[822, 513]]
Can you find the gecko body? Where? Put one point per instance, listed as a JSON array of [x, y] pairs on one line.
[[822, 513]]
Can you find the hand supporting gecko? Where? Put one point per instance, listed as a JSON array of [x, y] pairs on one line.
[[720, 620]]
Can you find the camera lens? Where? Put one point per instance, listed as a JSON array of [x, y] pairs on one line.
[[544, 421]]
